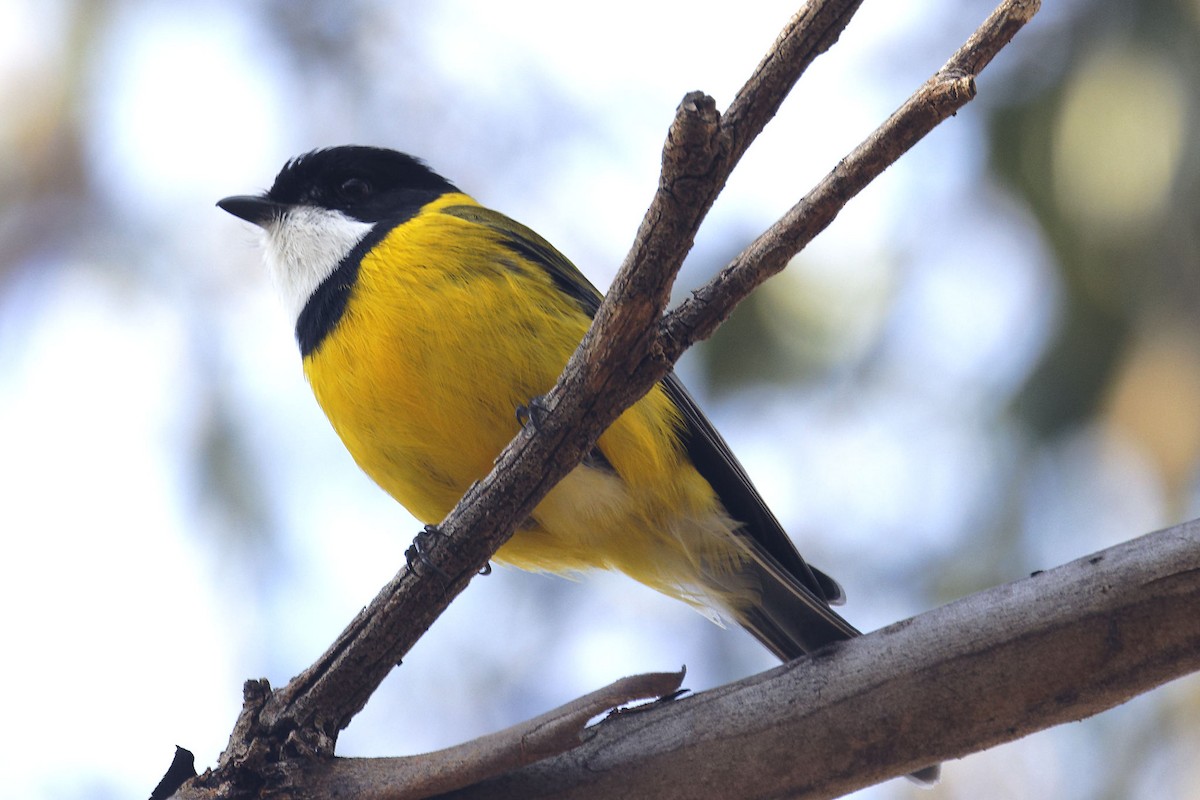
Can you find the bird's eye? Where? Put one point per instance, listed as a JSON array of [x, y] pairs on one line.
[[354, 189]]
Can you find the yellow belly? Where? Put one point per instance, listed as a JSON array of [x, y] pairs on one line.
[[422, 377]]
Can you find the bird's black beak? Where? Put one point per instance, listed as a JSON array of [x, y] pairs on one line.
[[253, 208]]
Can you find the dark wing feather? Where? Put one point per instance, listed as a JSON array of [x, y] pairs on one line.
[[793, 615]]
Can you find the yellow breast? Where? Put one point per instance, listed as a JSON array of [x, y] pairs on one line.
[[445, 334]]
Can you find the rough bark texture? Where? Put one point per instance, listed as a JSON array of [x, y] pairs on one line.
[[1057, 647]]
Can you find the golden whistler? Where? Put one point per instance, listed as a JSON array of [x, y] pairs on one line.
[[426, 320]]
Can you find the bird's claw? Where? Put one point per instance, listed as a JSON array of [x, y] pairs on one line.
[[415, 554], [532, 415]]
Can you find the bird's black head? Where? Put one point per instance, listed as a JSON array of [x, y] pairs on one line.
[[324, 210], [367, 183]]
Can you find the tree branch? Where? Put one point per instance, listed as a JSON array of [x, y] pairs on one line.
[[415, 777], [952, 87], [629, 347], [989, 668]]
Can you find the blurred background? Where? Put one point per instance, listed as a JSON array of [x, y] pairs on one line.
[[988, 365]]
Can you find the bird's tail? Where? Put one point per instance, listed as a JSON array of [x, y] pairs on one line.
[[791, 615]]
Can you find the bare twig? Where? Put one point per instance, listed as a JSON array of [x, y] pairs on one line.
[[623, 355], [952, 87], [415, 777]]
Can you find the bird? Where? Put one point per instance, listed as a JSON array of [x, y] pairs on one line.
[[427, 323]]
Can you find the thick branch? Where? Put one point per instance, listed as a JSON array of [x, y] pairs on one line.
[[1057, 647]]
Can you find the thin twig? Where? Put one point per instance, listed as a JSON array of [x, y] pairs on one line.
[[428, 774], [952, 87]]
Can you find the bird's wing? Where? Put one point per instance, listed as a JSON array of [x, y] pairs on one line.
[[795, 614]]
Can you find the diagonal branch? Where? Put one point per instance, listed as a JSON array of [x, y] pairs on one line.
[[627, 350]]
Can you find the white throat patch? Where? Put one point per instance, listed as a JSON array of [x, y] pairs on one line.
[[304, 247]]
